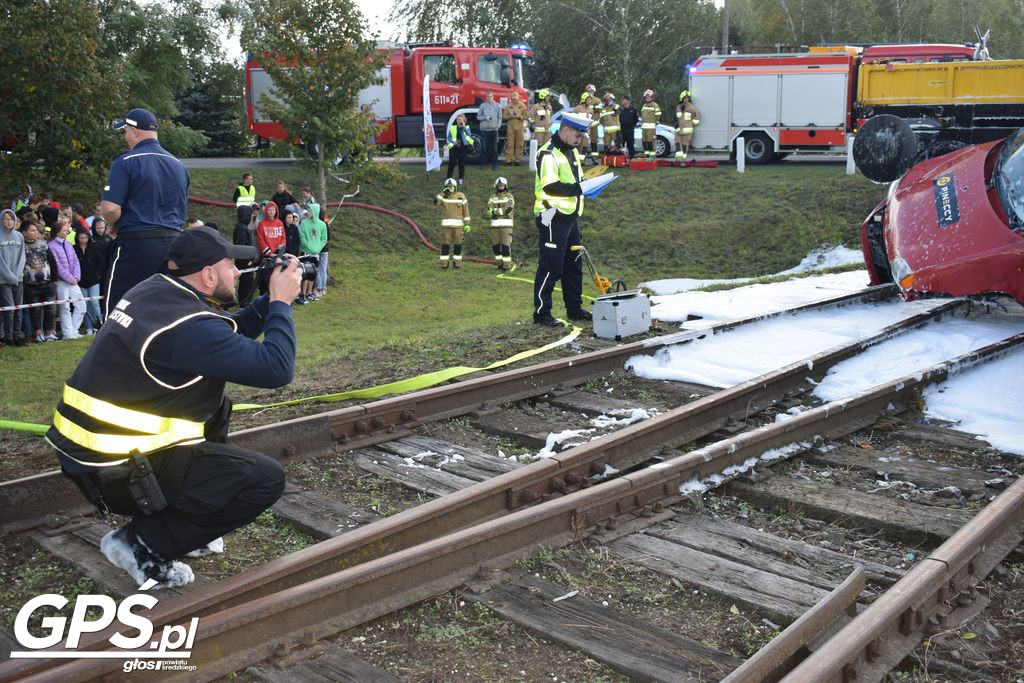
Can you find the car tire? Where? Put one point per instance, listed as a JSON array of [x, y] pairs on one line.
[[662, 146], [757, 148], [478, 150]]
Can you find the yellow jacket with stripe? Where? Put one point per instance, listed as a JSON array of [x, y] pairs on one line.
[[454, 208], [500, 208], [557, 183]]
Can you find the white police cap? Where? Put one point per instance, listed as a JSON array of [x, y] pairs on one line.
[[577, 121]]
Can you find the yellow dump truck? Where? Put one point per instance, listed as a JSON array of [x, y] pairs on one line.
[[953, 102]]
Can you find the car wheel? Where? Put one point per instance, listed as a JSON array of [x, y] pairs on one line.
[[478, 149], [662, 147], [757, 148]]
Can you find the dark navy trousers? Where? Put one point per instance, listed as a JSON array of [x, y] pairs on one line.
[[131, 261], [558, 263]]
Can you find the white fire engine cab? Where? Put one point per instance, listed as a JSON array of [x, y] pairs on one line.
[[779, 103]]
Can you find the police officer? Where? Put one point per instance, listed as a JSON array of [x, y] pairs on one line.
[[558, 205], [539, 117], [515, 115], [145, 198], [141, 423], [499, 209], [628, 118]]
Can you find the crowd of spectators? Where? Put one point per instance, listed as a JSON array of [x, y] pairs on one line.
[[53, 258]]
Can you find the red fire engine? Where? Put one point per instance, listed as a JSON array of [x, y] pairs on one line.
[[460, 78]]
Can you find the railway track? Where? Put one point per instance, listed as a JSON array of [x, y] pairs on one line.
[[602, 490]]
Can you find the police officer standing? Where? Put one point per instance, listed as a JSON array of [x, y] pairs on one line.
[[145, 199], [142, 422], [628, 118], [558, 205]]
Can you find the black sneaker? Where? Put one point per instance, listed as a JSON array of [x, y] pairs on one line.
[[546, 320], [128, 552], [581, 315]]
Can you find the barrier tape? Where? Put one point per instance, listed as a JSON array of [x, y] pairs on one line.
[[49, 303]]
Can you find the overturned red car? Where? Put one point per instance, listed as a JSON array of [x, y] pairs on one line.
[[952, 224]]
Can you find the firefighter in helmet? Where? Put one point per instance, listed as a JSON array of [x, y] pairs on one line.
[[584, 108], [588, 92], [499, 210], [515, 115], [609, 116], [650, 114], [454, 221], [539, 117], [687, 117]]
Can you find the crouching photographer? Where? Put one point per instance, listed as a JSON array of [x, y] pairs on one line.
[[141, 424]]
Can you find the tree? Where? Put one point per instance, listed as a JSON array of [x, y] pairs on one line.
[[58, 102], [318, 59], [211, 106]]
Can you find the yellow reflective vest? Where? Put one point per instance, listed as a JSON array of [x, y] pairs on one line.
[[246, 196], [553, 166]]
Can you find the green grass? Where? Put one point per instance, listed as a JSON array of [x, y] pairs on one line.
[[393, 312]]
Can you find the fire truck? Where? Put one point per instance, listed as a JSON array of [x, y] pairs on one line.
[[460, 78], [813, 101]]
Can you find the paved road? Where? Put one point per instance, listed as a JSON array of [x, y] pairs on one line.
[[246, 162]]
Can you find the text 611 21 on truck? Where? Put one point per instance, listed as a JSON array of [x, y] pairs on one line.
[[460, 78]]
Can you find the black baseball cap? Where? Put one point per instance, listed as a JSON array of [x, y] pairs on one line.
[[142, 119], [197, 248]]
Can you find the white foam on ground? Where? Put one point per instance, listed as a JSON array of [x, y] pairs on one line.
[[746, 352], [823, 257]]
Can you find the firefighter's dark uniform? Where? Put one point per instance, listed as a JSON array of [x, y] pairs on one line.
[[556, 186], [138, 389]]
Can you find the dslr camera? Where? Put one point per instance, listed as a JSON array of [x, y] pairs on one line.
[[280, 260]]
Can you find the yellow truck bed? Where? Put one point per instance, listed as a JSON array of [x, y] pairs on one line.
[[989, 82]]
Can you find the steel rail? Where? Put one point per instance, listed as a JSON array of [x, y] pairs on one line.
[[26, 500], [938, 592], [776, 658], [238, 634]]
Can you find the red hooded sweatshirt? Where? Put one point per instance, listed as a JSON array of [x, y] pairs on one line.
[[270, 231]]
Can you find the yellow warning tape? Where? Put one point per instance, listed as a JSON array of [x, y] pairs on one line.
[[419, 382]]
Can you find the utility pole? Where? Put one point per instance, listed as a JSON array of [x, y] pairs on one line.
[[725, 27]]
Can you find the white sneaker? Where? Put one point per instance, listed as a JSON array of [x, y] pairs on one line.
[[73, 335], [141, 563], [214, 547]]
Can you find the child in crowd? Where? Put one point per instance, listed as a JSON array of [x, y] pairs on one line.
[[282, 197], [93, 262], [12, 267], [39, 285], [100, 237], [313, 236], [322, 269], [293, 243], [269, 236], [245, 234], [69, 272]]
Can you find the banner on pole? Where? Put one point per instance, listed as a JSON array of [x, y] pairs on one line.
[[430, 146]]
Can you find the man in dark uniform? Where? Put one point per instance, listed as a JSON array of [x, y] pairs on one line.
[[628, 118], [558, 205], [145, 200], [142, 422]]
